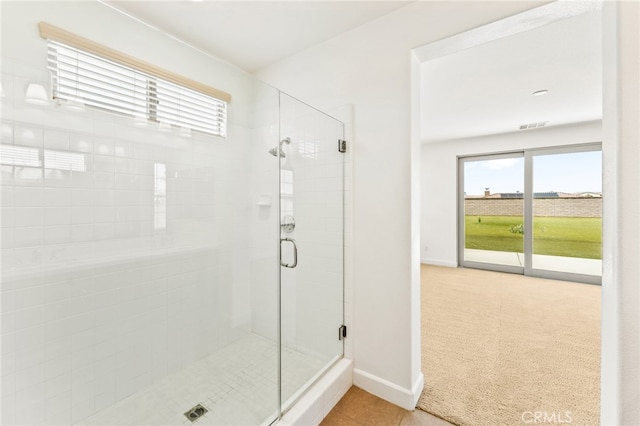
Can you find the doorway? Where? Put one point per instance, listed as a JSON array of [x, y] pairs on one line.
[[468, 115]]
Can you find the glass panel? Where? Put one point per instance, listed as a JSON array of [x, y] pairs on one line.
[[311, 196], [567, 212], [493, 211]]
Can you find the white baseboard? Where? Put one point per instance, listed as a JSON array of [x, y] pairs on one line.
[[405, 398], [418, 386], [437, 262]]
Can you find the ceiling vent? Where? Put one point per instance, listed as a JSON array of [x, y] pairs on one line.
[[533, 125]]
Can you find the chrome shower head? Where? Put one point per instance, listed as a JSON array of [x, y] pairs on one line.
[[278, 149], [274, 152]]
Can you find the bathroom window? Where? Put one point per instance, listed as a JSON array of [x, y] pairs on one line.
[[82, 78]]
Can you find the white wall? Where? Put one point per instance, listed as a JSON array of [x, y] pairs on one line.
[[439, 179], [621, 213], [369, 67]]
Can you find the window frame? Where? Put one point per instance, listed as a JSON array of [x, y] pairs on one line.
[[182, 99]]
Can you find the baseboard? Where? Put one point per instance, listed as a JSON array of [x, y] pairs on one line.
[[405, 398], [437, 262], [418, 386]]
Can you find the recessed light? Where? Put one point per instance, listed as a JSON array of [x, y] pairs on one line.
[[540, 92]]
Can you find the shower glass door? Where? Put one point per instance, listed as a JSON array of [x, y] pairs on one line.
[[311, 244]]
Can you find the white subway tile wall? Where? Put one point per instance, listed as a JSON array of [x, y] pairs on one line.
[[98, 300]]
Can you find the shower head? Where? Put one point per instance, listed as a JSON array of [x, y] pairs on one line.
[[274, 152], [278, 149]]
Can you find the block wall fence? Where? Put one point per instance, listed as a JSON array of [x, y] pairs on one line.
[[560, 207]]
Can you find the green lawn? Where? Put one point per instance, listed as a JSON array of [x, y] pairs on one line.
[[556, 236]]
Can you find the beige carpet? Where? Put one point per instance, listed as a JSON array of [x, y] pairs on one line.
[[497, 349]]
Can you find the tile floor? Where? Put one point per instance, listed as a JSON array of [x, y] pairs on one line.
[[237, 384], [358, 407]]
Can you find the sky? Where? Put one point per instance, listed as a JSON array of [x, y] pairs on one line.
[[571, 172]]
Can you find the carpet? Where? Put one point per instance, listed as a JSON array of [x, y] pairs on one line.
[[505, 349]]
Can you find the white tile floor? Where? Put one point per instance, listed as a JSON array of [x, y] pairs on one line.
[[237, 384]]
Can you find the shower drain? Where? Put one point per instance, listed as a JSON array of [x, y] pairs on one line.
[[195, 413]]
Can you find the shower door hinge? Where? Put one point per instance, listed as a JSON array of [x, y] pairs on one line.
[[342, 332], [342, 145]]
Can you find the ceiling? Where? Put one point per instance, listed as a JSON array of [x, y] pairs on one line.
[[483, 90], [488, 89], [255, 34]]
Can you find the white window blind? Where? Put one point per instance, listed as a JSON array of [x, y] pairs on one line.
[[79, 76]]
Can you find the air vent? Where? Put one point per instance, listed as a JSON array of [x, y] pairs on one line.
[[533, 125]]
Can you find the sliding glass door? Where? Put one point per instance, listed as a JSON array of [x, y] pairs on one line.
[[567, 214], [492, 212], [537, 212]]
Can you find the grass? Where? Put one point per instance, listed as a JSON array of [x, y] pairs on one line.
[[555, 236]]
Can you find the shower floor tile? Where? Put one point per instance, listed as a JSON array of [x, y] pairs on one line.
[[237, 384]]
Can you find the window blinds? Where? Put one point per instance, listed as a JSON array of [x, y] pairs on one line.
[[98, 82]]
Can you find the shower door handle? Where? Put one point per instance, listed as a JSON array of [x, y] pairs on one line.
[[295, 253]]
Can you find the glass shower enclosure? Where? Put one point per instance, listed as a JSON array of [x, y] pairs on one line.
[[155, 278], [298, 220], [311, 245]]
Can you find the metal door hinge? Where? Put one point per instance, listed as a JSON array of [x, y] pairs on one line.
[[342, 332], [342, 145]]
